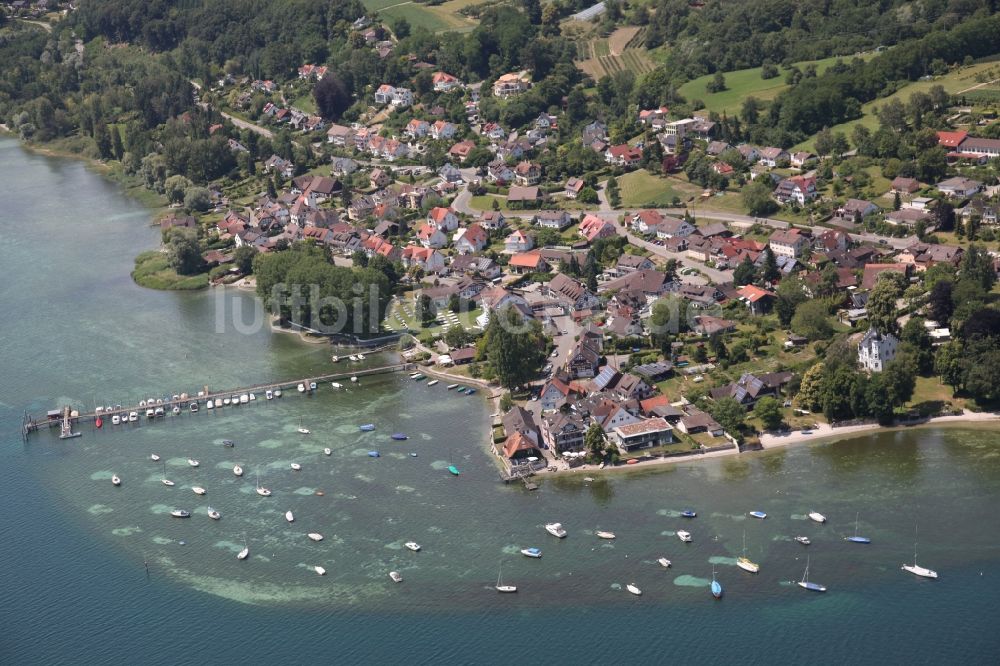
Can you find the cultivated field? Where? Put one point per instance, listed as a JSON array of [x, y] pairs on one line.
[[622, 50]]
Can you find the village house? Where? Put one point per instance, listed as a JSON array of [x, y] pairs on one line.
[[569, 293], [524, 197], [802, 159], [520, 421], [492, 220], [397, 97], [498, 172], [444, 219], [872, 271], [498, 298], [573, 188], [909, 217], [759, 301], [716, 148], [443, 82], [471, 239], [624, 156], [959, 187], [646, 434], [279, 166], [583, 360], [511, 84], [647, 116], [593, 228], [563, 432], [430, 235], [416, 128], [925, 255], [695, 421], [979, 208], [788, 243], [797, 189], [876, 350], [527, 262], [554, 394], [553, 219], [527, 173], [450, 174], [651, 283], [750, 388], [750, 154], [901, 185], [460, 151], [771, 157], [442, 129], [518, 241], [629, 263], [855, 210], [471, 265], [708, 325], [426, 258]]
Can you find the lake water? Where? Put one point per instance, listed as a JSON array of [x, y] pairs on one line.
[[77, 330]]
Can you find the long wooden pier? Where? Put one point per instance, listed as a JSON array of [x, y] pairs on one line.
[[62, 417]]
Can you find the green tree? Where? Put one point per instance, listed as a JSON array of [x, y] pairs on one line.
[[977, 267], [877, 398], [745, 272], [514, 348], [456, 336], [881, 306], [426, 311], [243, 258], [791, 292], [757, 198], [594, 440], [359, 259], [184, 251], [770, 272], [810, 395], [174, 187], [717, 84], [812, 320], [768, 410], [899, 380], [506, 402], [730, 414], [197, 198]]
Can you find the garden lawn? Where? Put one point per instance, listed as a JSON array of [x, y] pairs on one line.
[[641, 188]]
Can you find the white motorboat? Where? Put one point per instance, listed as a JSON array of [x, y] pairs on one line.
[[219, 401], [226, 401], [556, 530], [320, 570], [142, 403], [336, 385], [361, 357], [303, 431], [193, 462], [198, 490], [289, 516], [327, 451], [684, 536], [312, 386], [237, 470], [353, 357], [605, 535], [115, 481], [531, 552], [213, 514], [335, 359], [354, 380], [167, 482], [817, 517], [180, 513], [396, 577], [150, 413], [209, 405], [253, 396], [804, 540], [154, 457], [176, 410], [269, 394], [415, 375], [133, 417], [158, 411], [315, 536], [301, 388], [193, 407], [297, 467], [413, 545], [242, 555], [432, 382], [277, 393], [115, 420], [664, 562], [244, 399], [633, 589]]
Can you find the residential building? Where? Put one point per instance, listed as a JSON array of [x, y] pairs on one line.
[[524, 196], [570, 293], [797, 189], [573, 188], [553, 219], [750, 388], [426, 258], [771, 157], [518, 241], [789, 243], [431, 236], [511, 84], [444, 219], [959, 187], [875, 350], [492, 220], [646, 434], [563, 431], [527, 173], [554, 394], [443, 82], [623, 155], [901, 185], [471, 239]]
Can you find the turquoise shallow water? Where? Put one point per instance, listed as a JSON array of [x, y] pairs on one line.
[[75, 589]]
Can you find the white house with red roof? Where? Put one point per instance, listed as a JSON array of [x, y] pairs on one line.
[[417, 129], [444, 219], [471, 239], [431, 236], [518, 241], [798, 189], [623, 156], [442, 129], [443, 82], [427, 258], [593, 227]]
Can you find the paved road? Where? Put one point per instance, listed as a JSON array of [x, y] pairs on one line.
[[239, 122]]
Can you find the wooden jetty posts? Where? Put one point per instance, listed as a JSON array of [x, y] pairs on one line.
[[64, 418]]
